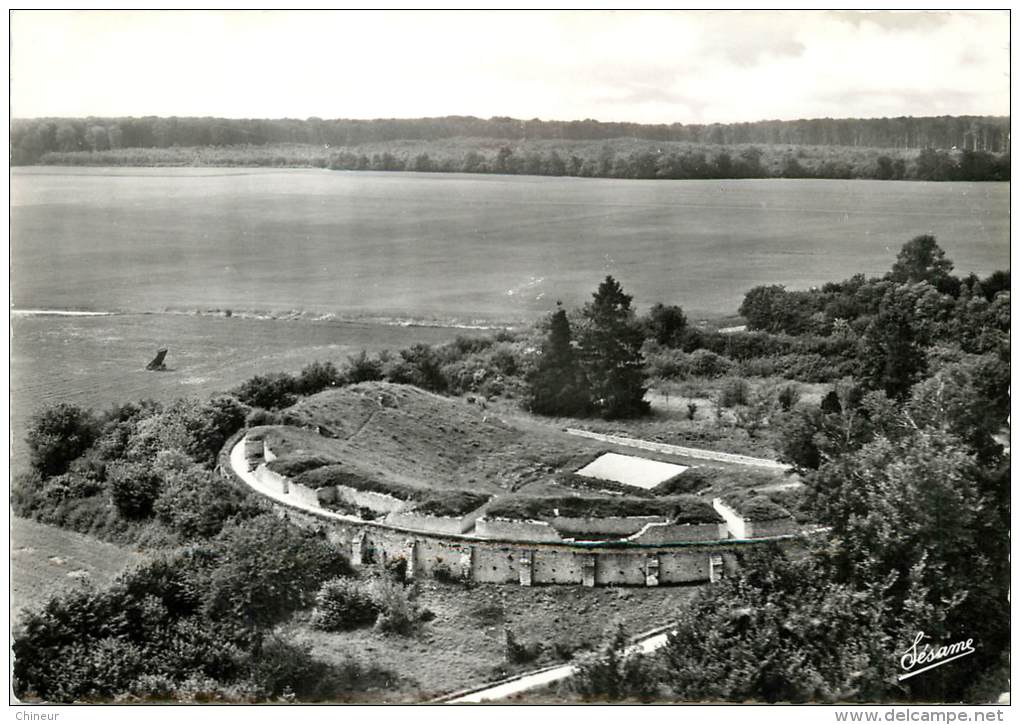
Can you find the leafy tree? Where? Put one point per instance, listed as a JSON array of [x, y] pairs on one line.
[[317, 376], [211, 424], [271, 392], [361, 368], [666, 324], [611, 347], [59, 434], [892, 352], [795, 434], [419, 365], [556, 384], [780, 633], [774, 309], [915, 512], [921, 260], [267, 569], [197, 504]]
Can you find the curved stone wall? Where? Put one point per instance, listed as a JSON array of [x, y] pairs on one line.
[[647, 559]]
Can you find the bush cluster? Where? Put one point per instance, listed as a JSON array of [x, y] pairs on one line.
[[145, 473], [344, 603], [194, 621]]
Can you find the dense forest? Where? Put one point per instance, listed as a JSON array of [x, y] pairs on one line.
[[934, 149]]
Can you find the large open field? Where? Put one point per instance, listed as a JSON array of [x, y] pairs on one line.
[[98, 361], [411, 245], [449, 245]]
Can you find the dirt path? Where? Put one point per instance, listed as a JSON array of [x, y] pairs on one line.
[[672, 450]]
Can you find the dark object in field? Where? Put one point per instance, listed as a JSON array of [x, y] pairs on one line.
[[157, 362]]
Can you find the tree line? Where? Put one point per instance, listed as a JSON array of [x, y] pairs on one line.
[[976, 133], [57, 140], [617, 158]]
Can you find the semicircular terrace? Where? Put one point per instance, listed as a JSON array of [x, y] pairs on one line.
[[393, 471]]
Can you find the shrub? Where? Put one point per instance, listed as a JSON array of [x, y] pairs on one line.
[[197, 504], [209, 426], [267, 569], [261, 416], [517, 652], [788, 397], [734, 392], [342, 604], [59, 434], [396, 569], [296, 464], [284, 669], [707, 364], [317, 376], [450, 503], [134, 488], [612, 674], [680, 509], [361, 368], [272, 392], [397, 613]]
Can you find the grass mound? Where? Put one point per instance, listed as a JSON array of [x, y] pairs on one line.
[[426, 501], [677, 509], [295, 465]]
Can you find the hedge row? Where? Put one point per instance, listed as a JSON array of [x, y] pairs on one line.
[[427, 502], [295, 465], [677, 509]]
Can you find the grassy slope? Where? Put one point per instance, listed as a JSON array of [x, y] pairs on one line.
[[46, 560], [426, 440], [465, 644]]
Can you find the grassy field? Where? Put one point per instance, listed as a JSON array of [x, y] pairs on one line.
[[46, 560], [97, 361], [464, 246]]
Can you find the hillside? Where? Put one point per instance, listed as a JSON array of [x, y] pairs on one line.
[[410, 436]]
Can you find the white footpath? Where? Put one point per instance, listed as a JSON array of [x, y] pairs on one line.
[[540, 678]]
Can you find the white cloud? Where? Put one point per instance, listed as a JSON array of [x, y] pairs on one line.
[[660, 66]]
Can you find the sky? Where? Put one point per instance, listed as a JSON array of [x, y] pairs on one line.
[[648, 67]]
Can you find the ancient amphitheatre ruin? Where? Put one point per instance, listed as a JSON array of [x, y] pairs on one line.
[[451, 490]]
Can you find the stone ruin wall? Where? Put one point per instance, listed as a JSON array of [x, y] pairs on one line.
[[542, 559]]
